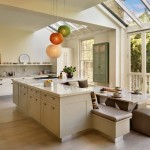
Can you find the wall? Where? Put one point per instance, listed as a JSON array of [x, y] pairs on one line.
[[108, 36], [14, 42]]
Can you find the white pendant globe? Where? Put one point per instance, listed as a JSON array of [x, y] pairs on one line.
[[53, 51]]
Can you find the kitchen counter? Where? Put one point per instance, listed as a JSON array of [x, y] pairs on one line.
[[56, 88], [63, 110]]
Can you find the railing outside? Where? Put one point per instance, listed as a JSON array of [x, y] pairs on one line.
[[138, 81]]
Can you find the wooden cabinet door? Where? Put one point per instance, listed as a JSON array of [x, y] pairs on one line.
[[50, 117], [34, 107], [15, 93], [101, 63], [23, 100]]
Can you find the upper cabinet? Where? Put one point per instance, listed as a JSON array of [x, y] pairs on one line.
[[101, 63], [66, 59]]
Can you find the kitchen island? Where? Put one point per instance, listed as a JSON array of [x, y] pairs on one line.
[[63, 110]]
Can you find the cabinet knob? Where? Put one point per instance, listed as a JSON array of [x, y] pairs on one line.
[[45, 95], [30, 96], [53, 98], [24, 93], [45, 104], [53, 107], [36, 91], [36, 99]]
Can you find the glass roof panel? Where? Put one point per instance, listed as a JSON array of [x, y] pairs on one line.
[[138, 9], [72, 26], [112, 5]]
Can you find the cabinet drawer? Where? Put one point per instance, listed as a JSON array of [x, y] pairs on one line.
[[6, 81], [23, 88], [34, 92], [50, 98]]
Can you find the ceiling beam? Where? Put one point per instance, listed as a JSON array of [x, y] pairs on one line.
[[145, 2], [128, 12]]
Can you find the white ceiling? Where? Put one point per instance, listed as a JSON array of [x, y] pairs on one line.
[[30, 20]]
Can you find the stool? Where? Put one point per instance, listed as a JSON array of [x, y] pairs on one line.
[[141, 120]]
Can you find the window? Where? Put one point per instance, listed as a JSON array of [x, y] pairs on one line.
[[140, 61], [86, 60]]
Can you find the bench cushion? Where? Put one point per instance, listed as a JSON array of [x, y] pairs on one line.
[[141, 120], [111, 113]]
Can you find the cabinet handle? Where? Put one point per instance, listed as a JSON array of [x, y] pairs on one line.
[[53, 98], [45, 104], [1, 79], [52, 107], [1, 84], [11, 83]]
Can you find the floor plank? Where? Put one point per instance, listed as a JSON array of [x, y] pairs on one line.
[[20, 132]]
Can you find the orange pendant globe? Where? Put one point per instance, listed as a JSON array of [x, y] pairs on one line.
[[53, 51], [56, 38]]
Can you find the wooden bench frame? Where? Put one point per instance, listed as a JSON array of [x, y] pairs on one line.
[[111, 129]]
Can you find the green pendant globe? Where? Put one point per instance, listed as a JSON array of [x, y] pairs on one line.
[[64, 30]]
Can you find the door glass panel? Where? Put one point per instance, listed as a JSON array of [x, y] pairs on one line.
[[148, 52], [136, 55]]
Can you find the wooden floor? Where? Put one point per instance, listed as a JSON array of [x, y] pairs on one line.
[[20, 132]]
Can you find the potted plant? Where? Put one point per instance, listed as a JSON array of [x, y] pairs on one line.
[[69, 71]]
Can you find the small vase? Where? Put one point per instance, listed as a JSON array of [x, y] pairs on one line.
[[69, 75]]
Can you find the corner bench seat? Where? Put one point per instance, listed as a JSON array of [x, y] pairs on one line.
[[111, 113], [112, 122]]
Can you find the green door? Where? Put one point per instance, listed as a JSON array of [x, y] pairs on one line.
[[101, 63]]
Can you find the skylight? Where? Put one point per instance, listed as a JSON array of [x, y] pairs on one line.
[[130, 12], [72, 26]]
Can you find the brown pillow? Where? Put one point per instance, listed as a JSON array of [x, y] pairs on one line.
[[94, 101], [83, 83]]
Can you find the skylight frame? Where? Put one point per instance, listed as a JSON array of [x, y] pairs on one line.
[[146, 3], [137, 21]]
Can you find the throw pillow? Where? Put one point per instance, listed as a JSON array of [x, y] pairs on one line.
[[94, 101], [83, 83]]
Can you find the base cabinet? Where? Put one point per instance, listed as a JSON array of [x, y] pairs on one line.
[[50, 117], [23, 98], [34, 106], [62, 116], [16, 93]]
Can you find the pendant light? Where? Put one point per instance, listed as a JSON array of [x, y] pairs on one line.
[[53, 51], [56, 38]]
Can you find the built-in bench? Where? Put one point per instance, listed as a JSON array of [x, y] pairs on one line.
[[112, 122]]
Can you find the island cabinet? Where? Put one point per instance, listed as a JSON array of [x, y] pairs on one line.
[[16, 93], [34, 103], [50, 113], [75, 114], [23, 98], [62, 114]]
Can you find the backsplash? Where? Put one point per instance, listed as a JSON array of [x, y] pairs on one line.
[[23, 70]]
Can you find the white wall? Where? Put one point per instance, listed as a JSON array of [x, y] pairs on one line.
[[13, 43], [108, 36]]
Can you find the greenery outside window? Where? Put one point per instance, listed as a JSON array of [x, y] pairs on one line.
[[86, 59]]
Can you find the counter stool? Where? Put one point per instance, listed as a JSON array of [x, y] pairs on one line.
[[141, 120]]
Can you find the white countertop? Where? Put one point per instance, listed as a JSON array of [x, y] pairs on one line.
[[56, 87], [64, 90]]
